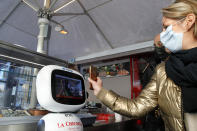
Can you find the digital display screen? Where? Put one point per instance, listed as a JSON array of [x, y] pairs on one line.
[[68, 87]]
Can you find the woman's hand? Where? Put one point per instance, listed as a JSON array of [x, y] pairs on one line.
[[97, 85]]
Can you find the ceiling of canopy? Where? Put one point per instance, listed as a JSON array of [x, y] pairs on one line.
[[106, 25]]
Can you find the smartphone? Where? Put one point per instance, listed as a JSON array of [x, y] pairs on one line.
[[93, 74]]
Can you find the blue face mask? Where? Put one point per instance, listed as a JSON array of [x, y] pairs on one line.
[[171, 40]]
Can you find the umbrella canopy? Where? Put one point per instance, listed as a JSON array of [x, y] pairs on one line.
[[94, 26]]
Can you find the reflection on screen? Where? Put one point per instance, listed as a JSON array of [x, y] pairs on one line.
[[68, 87]]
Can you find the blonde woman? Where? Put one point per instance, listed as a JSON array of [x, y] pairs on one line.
[[173, 87]]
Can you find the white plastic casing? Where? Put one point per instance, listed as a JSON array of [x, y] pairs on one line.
[[44, 92], [61, 122]]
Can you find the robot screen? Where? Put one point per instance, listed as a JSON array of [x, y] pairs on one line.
[[67, 88]]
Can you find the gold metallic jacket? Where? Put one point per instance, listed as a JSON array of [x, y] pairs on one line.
[[160, 91]]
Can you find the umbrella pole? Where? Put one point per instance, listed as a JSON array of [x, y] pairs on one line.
[[43, 26]]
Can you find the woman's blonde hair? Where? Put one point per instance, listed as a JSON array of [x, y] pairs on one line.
[[180, 9]]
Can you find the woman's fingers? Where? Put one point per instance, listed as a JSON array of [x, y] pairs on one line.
[[97, 85], [91, 81], [99, 81]]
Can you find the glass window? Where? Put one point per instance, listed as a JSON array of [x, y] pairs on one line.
[[15, 88], [2, 88]]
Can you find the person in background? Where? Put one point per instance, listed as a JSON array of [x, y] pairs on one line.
[[173, 86], [159, 55], [153, 121]]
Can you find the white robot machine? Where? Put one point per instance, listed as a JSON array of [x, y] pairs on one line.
[[61, 91]]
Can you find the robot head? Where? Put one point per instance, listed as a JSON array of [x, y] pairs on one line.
[[60, 89]]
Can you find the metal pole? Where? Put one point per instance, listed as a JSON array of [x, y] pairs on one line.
[[43, 26]]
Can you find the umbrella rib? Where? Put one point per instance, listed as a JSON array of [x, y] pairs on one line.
[[36, 1], [68, 19], [63, 14], [21, 30], [55, 22], [3, 21], [99, 5], [95, 24], [35, 8], [47, 4], [52, 4], [64, 5]]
